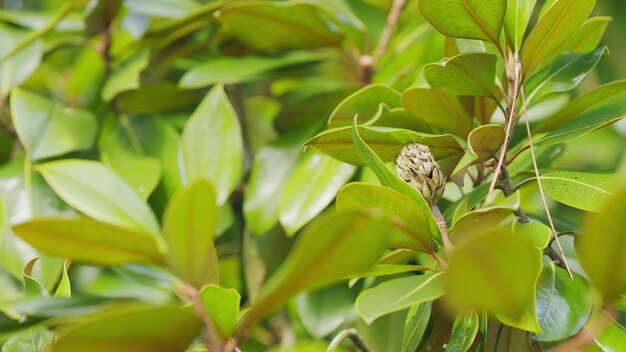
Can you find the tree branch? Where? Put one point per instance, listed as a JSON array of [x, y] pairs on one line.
[[353, 335]]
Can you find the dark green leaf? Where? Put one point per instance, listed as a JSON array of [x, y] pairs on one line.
[[438, 109], [323, 311]]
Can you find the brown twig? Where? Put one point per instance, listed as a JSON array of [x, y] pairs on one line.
[[443, 227], [353, 335], [211, 342]]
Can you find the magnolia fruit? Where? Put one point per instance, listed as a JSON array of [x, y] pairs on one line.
[[417, 166]]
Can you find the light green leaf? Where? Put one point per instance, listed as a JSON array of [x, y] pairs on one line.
[[212, 145], [477, 222], [438, 109], [463, 333], [498, 273], [518, 15], [586, 39], [389, 269], [277, 26], [161, 8], [311, 187], [155, 329], [390, 179], [595, 96], [415, 326], [32, 287], [478, 19], [323, 311], [386, 143], [17, 69], [222, 305], [319, 258], [190, 225], [581, 190], [365, 103], [596, 117], [538, 233], [90, 242], [126, 76], [98, 192], [228, 70], [411, 223], [64, 289], [564, 74], [559, 23], [29, 340], [483, 143], [601, 246], [398, 294], [48, 129], [563, 304], [472, 74]]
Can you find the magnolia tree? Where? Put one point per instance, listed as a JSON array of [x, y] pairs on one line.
[[348, 175]]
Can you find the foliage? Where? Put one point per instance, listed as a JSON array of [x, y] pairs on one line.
[[214, 175]]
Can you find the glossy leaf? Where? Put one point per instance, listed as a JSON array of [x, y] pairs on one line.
[[386, 143], [415, 326], [600, 247], [516, 20], [156, 329], [559, 23], [390, 179], [478, 19], [311, 187], [464, 332], [582, 190], [476, 222], [95, 190], [48, 129], [438, 109], [564, 74], [323, 311], [161, 8], [267, 26], [483, 143], [496, 272], [190, 225], [472, 74], [319, 258], [586, 39], [563, 304], [538, 233], [364, 103], [212, 145], [398, 294], [596, 96], [126, 76], [64, 289], [222, 305], [411, 222], [15, 70], [90, 242], [595, 117], [230, 70]]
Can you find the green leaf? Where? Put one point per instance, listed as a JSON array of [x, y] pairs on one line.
[[30, 340], [596, 117], [387, 144], [411, 223], [365, 103], [559, 23], [311, 187], [17, 69], [228, 70], [438, 109], [483, 143], [90, 242], [270, 172], [156, 329], [190, 225], [564, 74], [323, 311], [415, 326], [222, 305], [563, 304], [586, 39], [466, 74], [538, 233], [479, 19], [398, 294], [496, 272], [212, 145], [601, 246], [126, 76], [32, 287], [319, 258], [476, 222], [390, 179], [581, 190], [161, 8], [64, 289], [516, 20], [464, 332], [389, 269], [596, 96], [98, 192], [278, 26], [48, 129]]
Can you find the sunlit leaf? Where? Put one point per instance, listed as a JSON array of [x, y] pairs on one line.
[[222, 305], [466, 74], [582, 190]]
